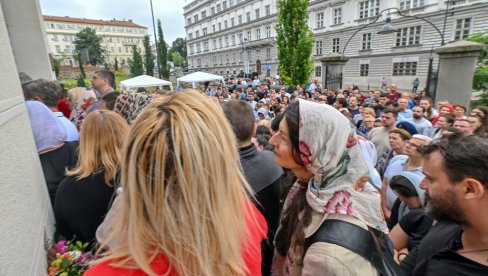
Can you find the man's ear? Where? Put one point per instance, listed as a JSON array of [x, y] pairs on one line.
[[472, 188], [37, 99]]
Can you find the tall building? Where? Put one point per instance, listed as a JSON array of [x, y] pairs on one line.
[[117, 37], [229, 36]]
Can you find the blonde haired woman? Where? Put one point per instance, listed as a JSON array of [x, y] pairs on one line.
[[184, 209], [83, 197]]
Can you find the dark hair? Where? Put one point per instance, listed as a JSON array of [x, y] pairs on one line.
[[110, 98], [241, 118], [342, 101], [403, 186], [483, 109], [383, 95], [107, 75], [404, 134], [262, 139], [392, 111], [298, 215], [263, 130], [390, 102], [48, 91], [450, 119], [463, 157], [275, 124]]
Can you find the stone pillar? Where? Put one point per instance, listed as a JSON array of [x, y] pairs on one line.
[[25, 27], [332, 70], [27, 219], [457, 62]]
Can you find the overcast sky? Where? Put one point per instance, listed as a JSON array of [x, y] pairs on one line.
[[170, 12]]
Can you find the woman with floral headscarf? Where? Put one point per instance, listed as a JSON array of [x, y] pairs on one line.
[[80, 102], [319, 145]]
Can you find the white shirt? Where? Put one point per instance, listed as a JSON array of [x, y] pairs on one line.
[[71, 131]]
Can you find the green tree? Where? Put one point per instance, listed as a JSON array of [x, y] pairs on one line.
[[177, 59], [80, 81], [295, 41], [148, 57], [136, 66], [179, 45], [480, 79], [56, 65], [116, 65], [163, 53], [80, 65], [88, 39]]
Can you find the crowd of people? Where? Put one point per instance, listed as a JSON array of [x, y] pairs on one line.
[[249, 180]]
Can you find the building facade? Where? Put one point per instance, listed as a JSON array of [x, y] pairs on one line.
[[400, 57], [117, 37], [232, 36]]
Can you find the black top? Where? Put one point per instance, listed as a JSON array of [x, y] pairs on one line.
[[81, 206], [416, 224], [437, 254], [54, 164]]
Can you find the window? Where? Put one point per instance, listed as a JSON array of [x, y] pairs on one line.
[[232, 22], [199, 48], [463, 27], [318, 47], [268, 53], [239, 19], [197, 34], [258, 34], [405, 68], [127, 50], [212, 10], [318, 71], [214, 44], [213, 28], [120, 50], [111, 49], [366, 43], [224, 5], [218, 8], [319, 19], [220, 43], [225, 24], [226, 41], [249, 36], [199, 62], [257, 13], [335, 45], [204, 14], [364, 70], [231, 3], [195, 17], [220, 26], [267, 29], [204, 31], [215, 60], [369, 8], [248, 16], [411, 4], [233, 40], [55, 37], [190, 36], [205, 46], [337, 16], [267, 10], [408, 36]]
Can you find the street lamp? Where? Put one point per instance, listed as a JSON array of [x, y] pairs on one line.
[[155, 40], [244, 55], [389, 28]]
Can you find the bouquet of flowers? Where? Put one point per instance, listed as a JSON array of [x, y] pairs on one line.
[[69, 258]]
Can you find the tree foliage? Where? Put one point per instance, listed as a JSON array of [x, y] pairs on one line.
[[295, 41], [148, 57], [179, 45], [88, 39], [177, 59], [163, 53], [480, 79], [136, 65], [116, 65]]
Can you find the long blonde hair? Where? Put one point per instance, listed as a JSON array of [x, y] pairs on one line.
[[102, 136], [184, 195]]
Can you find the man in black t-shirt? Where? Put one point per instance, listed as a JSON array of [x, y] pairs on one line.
[[456, 184]]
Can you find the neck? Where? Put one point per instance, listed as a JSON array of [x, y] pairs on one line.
[[476, 236], [414, 161], [302, 173], [105, 90], [390, 127], [53, 108], [245, 144]]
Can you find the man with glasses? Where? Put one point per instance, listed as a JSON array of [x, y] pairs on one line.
[[411, 161]]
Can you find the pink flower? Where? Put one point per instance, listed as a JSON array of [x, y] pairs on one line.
[[305, 153], [61, 247], [340, 203]]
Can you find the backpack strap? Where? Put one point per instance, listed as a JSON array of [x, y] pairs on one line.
[[350, 236]]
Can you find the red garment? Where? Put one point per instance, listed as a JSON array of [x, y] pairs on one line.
[[395, 96], [63, 107], [257, 228]]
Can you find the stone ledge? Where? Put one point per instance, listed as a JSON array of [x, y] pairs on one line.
[[461, 46]]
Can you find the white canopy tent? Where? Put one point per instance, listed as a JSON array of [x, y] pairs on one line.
[[144, 81], [198, 77]]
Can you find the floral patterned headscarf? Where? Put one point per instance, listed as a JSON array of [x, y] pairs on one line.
[[129, 105], [341, 182]]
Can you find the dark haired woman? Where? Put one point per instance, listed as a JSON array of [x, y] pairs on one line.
[[318, 144]]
